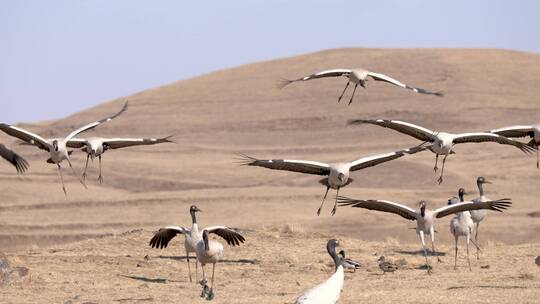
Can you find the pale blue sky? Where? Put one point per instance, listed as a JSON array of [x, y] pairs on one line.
[[59, 57]]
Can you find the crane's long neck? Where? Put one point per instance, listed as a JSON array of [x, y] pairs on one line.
[[205, 239], [480, 188], [331, 248], [423, 211], [461, 199], [194, 226]]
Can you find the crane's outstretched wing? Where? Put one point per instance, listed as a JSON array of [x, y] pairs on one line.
[[490, 137], [15, 159], [96, 123], [164, 235], [515, 131], [322, 74], [117, 143], [497, 205], [380, 205], [26, 136], [76, 143], [382, 77], [230, 235], [301, 166], [410, 129], [374, 160]]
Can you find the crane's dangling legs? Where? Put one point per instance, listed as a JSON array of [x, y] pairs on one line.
[[341, 96], [85, 167], [440, 180], [100, 177], [322, 203], [335, 204], [352, 96]]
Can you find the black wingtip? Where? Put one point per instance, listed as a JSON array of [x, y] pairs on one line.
[[243, 159], [284, 82]]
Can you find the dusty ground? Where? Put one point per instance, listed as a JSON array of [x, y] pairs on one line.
[[241, 110], [274, 266]]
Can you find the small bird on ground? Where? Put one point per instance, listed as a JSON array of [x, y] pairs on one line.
[[349, 263], [386, 266]]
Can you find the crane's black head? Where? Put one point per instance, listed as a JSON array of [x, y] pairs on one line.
[[422, 208], [55, 145], [341, 177], [461, 193], [194, 209], [482, 180], [205, 239], [331, 248], [381, 259]]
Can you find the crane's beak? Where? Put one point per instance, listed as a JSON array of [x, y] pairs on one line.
[[487, 182]]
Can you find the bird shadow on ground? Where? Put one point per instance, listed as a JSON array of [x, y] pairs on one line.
[[421, 252], [148, 280], [487, 286], [133, 300], [183, 258]]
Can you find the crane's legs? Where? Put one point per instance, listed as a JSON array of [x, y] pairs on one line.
[[335, 204], [436, 162], [322, 203], [468, 260], [100, 178], [188, 267], [352, 96], [341, 96], [85, 167], [211, 292], [421, 233], [440, 180], [203, 283], [62, 179], [476, 240], [196, 269], [455, 255], [432, 232], [73, 170]]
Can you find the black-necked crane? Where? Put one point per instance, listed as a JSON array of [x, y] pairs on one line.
[[442, 143], [358, 77], [461, 225], [57, 148], [211, 252], [532, 131], [479, 215], [20, 164], [425, 218], [193, 236], [329, 291], [96, 146], [337, 173]]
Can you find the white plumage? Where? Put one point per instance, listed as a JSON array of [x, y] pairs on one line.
[[329, 291], [442, 143], [358, 77]]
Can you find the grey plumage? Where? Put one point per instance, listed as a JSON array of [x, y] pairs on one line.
[[386, 266]]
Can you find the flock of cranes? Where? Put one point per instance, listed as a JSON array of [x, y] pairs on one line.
[[467, 213]]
